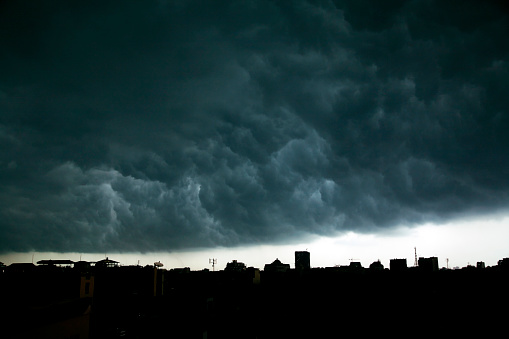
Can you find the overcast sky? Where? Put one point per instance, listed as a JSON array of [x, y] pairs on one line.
[[156, 126]]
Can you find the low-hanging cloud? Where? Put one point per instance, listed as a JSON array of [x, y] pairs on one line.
[[165, 125]]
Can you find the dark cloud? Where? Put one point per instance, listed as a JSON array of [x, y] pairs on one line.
[[143, 126]]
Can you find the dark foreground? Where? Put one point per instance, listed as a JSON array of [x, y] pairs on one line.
[[136, 302]]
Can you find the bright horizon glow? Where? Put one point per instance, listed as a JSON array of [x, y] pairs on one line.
[[463, 243]]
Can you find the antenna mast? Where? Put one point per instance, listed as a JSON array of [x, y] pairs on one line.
[[213, 262], [416, 263]]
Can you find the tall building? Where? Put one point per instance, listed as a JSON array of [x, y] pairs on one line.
[[428, 264], [302, 260]]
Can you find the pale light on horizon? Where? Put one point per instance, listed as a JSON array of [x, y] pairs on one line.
[[463, 243]]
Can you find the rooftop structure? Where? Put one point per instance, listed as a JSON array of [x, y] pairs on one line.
[[276, 266], [107, 263], [376, 265], [57, 262], [235, 266]]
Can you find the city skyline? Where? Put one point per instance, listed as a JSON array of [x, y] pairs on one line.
[[196, 130], [324, 252]]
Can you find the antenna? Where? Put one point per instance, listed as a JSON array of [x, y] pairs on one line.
[[416, 263], [213, 262]]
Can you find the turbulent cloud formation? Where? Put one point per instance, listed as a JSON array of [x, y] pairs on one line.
[[159, 125]]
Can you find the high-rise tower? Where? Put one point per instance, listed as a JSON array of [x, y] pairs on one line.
[[302, 260]]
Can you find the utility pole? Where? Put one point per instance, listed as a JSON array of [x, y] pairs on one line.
[[213, 262]]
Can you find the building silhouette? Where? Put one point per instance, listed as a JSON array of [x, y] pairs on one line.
[[235, 266], [396, 265], [302, 260], [428, 264], [376, 266], [107, 263], [276, 266], [503, 263]]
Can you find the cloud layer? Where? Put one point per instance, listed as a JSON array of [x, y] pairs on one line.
[[162, 125]]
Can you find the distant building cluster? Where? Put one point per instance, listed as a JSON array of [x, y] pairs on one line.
[[302, 262]]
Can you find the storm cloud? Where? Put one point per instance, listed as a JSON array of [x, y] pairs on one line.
[[162, 125]]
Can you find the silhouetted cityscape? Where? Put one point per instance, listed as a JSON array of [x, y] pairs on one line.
[[66, 299]]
